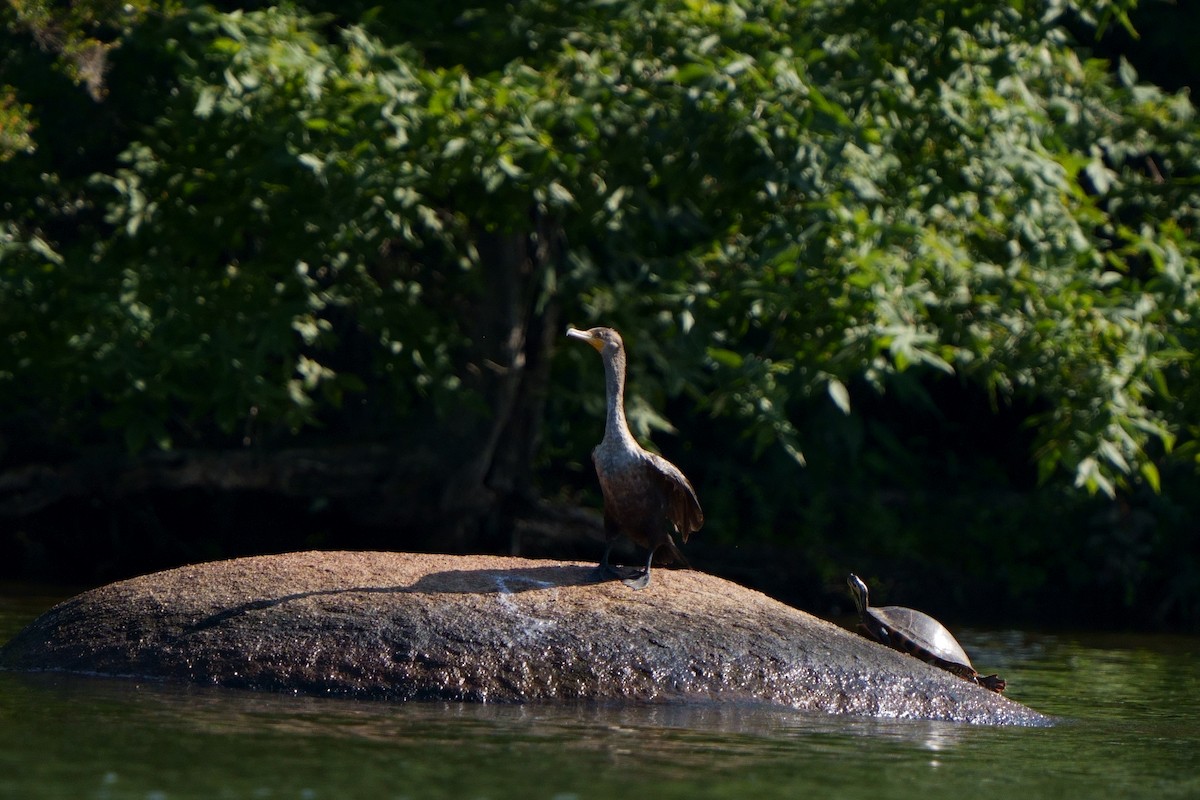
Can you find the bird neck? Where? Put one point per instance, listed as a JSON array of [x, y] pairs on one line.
[[615, 426]]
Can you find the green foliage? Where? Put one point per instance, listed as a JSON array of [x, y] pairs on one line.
[[15, 126], [945, 191], [83, 34]]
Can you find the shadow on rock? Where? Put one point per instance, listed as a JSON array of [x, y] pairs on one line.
[[504, 581], [270, 602], [454, 581]]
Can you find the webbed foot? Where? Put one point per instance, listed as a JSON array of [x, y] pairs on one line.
[[638, 580], [641, 579], [604, 570], [607, 572], [633, 578]]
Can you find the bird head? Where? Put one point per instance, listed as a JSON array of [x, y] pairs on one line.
[[605, 340]]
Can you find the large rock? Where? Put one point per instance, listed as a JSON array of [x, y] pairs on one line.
[[406, 626]]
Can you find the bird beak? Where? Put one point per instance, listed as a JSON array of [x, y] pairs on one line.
[[575, 333]]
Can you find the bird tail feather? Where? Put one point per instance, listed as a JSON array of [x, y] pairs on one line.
[[669, 553]]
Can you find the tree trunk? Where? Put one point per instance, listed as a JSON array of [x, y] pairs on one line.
[[513, 330]]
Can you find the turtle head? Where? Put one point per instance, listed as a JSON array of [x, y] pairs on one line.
[[858, 590], [606, 340]]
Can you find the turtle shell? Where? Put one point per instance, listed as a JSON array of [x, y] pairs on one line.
[[920, 635]]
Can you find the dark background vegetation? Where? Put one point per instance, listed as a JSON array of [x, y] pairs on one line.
[[909, 288]]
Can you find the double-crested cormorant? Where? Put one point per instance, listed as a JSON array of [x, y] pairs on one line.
[[645, 496]]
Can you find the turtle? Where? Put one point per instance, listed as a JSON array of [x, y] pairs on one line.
[[917, 634]]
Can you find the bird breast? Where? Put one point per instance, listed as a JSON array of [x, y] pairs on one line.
[[614, 455], [626, 481]]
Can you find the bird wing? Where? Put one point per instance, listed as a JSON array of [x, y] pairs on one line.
[[683, 507]]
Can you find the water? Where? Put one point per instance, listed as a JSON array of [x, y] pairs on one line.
[[1128, 705]]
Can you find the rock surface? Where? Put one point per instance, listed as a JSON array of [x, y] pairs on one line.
[[484, 628]]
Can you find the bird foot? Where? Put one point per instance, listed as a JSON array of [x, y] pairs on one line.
[[606, 572], [633, 578], [639, 580]]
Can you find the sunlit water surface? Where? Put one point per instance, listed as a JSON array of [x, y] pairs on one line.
[[1128, 708]]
